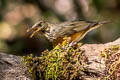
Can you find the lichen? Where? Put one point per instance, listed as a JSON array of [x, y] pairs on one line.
[[112, 62], [61, 63]]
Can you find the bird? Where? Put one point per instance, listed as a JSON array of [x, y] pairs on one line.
[[55, 32]]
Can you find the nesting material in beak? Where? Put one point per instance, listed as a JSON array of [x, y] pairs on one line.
[[28, 30], [34, 31]]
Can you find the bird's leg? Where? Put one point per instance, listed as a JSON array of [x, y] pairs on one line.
[[76, 38], [73, 43]]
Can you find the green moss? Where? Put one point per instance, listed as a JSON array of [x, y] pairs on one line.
[[61, 63], [112, 62]]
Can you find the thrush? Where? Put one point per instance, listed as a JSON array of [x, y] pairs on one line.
[[55, 32]]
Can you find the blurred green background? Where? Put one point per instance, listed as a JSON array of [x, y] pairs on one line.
[[16, 16]]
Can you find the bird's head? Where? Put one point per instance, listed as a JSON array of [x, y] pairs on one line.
[[41, 27]]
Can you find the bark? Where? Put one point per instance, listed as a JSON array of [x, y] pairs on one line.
[[12, 69]]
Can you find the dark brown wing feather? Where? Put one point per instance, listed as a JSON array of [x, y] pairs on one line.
[[71, 27]]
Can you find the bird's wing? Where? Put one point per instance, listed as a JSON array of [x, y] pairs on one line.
[[71, 27]]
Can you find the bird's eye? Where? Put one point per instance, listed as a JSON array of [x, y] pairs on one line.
[[43, 31], [40, 25]]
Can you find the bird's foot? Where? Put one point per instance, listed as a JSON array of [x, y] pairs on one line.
[[72, 44]]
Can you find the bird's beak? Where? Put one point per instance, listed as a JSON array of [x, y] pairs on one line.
[[34, 29]]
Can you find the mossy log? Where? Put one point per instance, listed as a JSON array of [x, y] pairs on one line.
[[84, 62]]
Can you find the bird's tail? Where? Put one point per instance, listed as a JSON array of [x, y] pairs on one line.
[[103, 22]]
